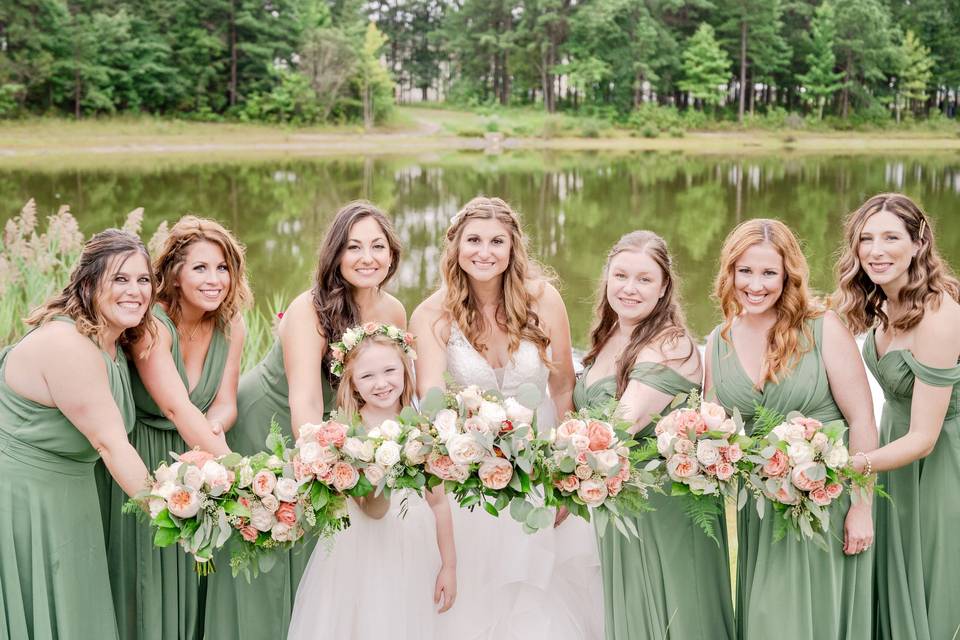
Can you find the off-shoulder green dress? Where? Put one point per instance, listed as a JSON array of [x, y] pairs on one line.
[[53, 565], [674, 582], [156, 592], [918, 530], [260, 609], [792, 589]]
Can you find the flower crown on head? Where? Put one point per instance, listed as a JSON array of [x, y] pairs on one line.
[[355, 335]]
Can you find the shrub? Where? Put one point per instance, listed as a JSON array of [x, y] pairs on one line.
[[650, 114]]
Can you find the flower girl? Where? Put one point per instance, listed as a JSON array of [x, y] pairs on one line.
[[383, 576]]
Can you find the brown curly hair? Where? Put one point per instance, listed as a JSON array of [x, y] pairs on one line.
[[859, 301]]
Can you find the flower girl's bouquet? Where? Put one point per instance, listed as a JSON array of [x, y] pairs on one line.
[[481, 447], [799, 465]]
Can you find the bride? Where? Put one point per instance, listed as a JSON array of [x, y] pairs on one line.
[[498, 323]]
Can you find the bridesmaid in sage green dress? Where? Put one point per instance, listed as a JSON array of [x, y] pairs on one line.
[[56, 421], [185, 389], [674, 582], [775, 348], [894, 284], [292, 386]]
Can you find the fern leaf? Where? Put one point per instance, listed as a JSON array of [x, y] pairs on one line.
[[703, 511], [764, 421]]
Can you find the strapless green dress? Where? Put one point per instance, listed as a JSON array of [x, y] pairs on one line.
[[674, 582]]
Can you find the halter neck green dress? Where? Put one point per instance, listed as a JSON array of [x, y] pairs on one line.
[[918, 553], [674, 582], [53, 567], [156, 592], [792, 589], [260, 609]]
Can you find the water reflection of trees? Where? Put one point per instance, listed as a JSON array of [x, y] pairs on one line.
[[574, 206]]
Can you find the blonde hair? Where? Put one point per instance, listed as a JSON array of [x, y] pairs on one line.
[[78, 299], [348, 398], [173, 254], [859, 301], [795, 306], [519, 320], [666, 321]]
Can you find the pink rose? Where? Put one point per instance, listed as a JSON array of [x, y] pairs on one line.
[[624, 473], [249, 533], [777, 464], [682, 466], [684, 446], [724, 471], [820, 497], [440, 466], [667, 424], [345, 476], [370, 327], [810, 425], [196, 457], [690, 423], [332, 432], [834, 490], [787, 494], [600, 435], [614, 485], [300, 471], [264, 483], [287, 513], [569, 483], [801, 477], [592, 492], [475, 424], [409, 339], [337, 353], [733, 453], [495, 473], [712, 414], [572, 428], [581, 457]]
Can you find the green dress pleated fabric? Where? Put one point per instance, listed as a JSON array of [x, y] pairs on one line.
[[792, 589], [156, 592], [53, 566], [918, 530], [674, 582], [260, 609]]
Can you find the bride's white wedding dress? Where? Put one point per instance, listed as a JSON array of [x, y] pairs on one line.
[[511, 584]]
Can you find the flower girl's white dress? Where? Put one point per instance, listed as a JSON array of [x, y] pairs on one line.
[[374, 580], [511, 584]]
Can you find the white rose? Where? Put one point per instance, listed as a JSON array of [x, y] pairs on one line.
[[393, 332], [413, 433], [446, 424], [800, 452], [837, 457], [820, 442], [471, 398], [492, 412], [374, 434], [308, 431], [280, 532], [580, 442], [606, 461], [353, 447], [165, 473], [270, 503], [728, 427], [286, 489], [516, 412], [310, 453], [707, 453], [156, 505], [350, 338], [415, 452], [712, 414], [165, 489], [388, 453], [366, 452], [665, 443], [274, 462], [193, 477], [244, 474], [374, 473], [702, 484], [261, 519], [216, 477], [477, 424], [390, 429], [464, 449]]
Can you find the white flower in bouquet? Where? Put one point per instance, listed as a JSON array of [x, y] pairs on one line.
[[492, 412], [446, 424], [837, 457], [707, 453], [580, 442], [415, 452], [820, 442], [286, 489], [244, 474], [390, 429], [728, 427], [270, 503], [216, 477], [713, 415], [702, 484], [464, 449], [310, 453], [374, 433], [308, 431], [800, 452], [167, 474], [790, 431], [165, 489], [193, 477], [156, 505], [471, 398], [374, 473], [388, 453], [274, 462], [477, 424], [353, 447], [516, 412], [592, 492], [280, 532], [606, 461]]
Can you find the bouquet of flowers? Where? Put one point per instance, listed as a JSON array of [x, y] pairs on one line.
[[482, 448], [587, 464], [799, 465]]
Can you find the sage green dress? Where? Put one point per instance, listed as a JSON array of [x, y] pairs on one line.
[[918, 530], [53, 565], [792, 589], [674, 582], [260, 609], [156, 592]]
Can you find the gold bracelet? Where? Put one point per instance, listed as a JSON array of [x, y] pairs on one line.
[[868, 465]]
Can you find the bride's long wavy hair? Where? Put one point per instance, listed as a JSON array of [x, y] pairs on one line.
[[859, 301], [791, 336], [666, 321], [515, 315]]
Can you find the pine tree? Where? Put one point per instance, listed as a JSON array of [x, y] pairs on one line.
[[706, 67], [821, 81], [916, 71]]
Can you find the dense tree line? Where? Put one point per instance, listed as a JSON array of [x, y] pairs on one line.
[[313, 60]]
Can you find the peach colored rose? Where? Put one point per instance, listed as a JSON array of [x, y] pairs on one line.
[[196, 457], [287, 513], [184, 502], [684, 446], [834, 490], [599, 434], [624, 472], [409, 339], [614, 485], [370, 327], [690, 423], [712, 414], [787, 494], [733, 453], [300, 470], [495, 473], [572, 427], [264, 482], [801, 477], [777, 464], [569, 483], [682, 466], [724, 471], [820, 497], [345, 476], [337, 353], [249, 533], [324, 473], [332, 432], [592, 492], [810, 425], [440, 466], [667, 424]]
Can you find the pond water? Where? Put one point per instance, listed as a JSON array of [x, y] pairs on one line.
[[574, 206]]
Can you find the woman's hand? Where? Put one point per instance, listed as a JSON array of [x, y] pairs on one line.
[[445, 591], [858, 529]]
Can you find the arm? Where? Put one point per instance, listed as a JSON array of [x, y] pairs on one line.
[[162, 381], [82, 393], [935, 344], [223, 410], [707, 377], [431, 346], [446, 585], [303, 349], [562, 379], [639, 401]]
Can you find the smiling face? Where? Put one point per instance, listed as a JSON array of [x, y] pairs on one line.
[[125, 291], [635, 284], [366, 257], [759, 278], [484, 249], [886, 250], [204, 278], [377, 375]]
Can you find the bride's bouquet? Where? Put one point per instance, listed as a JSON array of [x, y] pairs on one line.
[[481, 447]]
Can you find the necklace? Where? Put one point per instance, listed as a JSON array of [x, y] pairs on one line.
[[191, 335]]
